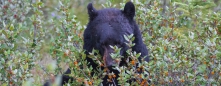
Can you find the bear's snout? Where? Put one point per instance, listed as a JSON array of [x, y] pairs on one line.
[[108, 60]]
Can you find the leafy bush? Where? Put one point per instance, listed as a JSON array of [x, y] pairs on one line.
[[183, 38], [183, 41]]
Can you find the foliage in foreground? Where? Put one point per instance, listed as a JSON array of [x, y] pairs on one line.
[[183, 39]]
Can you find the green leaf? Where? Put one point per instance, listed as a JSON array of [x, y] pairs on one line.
[[2, 60], [190, 75], [126, 38], [4, 24], [138, 54], [11, 27], [202, 68], [5, 33], [61, 3]]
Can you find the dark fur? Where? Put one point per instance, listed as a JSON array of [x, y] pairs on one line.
[[108, 27]]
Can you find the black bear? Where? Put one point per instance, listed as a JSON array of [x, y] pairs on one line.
[[107, 27]]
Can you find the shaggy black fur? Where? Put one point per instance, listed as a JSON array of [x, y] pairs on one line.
[[107, 27]]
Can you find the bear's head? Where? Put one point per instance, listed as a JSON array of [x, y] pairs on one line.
[[107, 27]]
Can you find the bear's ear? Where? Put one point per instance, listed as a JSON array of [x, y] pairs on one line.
[[91, 11], [129, 10]]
